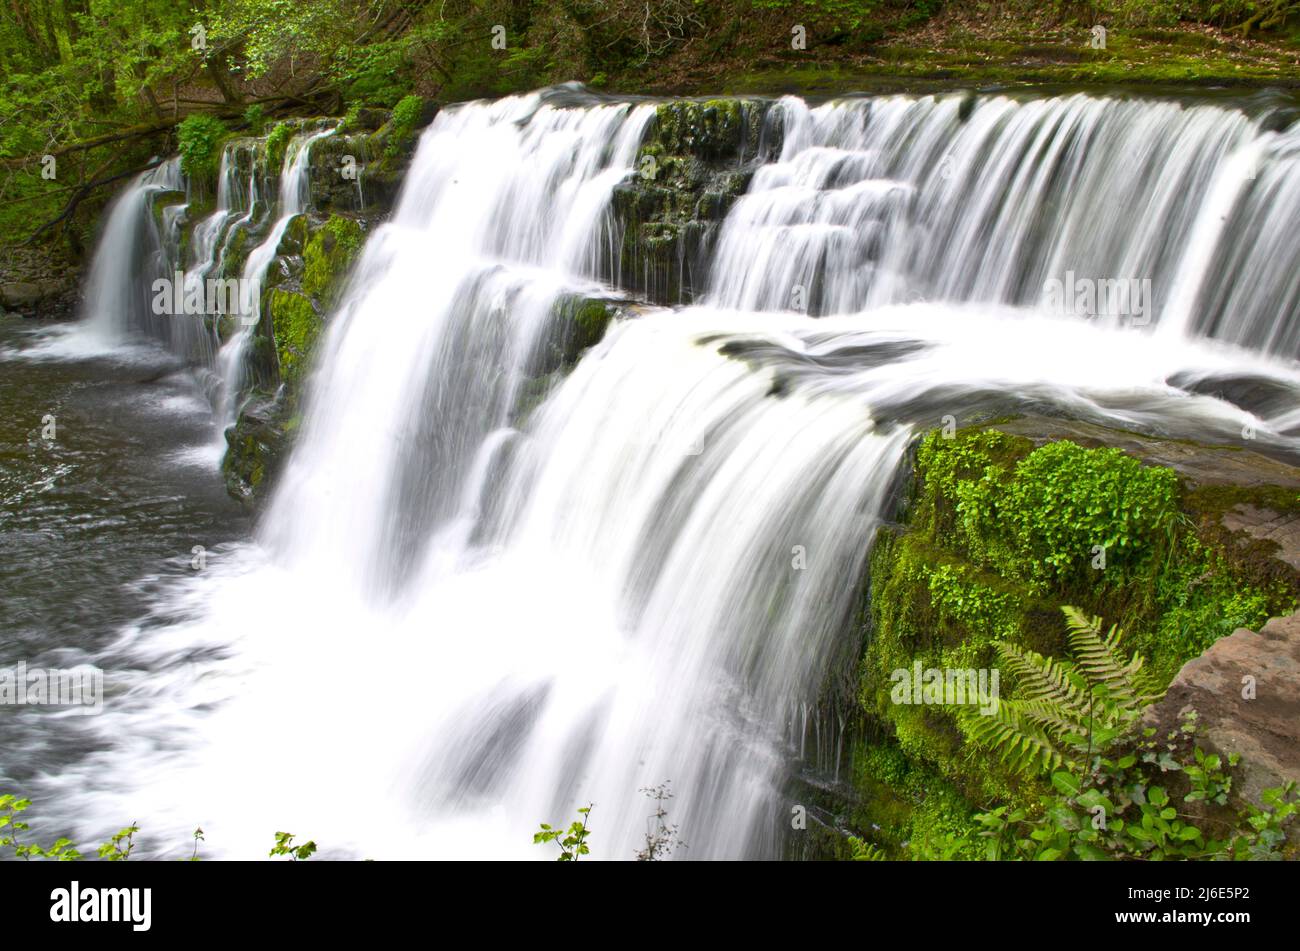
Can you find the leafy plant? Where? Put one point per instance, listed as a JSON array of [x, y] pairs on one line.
[[118, 848], [1209, 782], [276, 145], [1065, 710], [255, 117], [297, 853], [865, 851], [199, 139], [1265, 837], [405, 116], [11, 807], [572, 841]]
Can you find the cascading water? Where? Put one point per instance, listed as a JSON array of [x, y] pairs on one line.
[[898, 199], [295, 195], [131, 253], [455, 629], [134, 252], [235, 205]]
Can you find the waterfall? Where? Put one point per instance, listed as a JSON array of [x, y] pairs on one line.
[[944, 199], [135, 250], [455, 625], [129, 255], [499, 216], [235, 206], [294, 197]]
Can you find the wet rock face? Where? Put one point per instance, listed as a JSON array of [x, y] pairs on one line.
[[1280, 528], [302, 286], [697, 159], [1245, 691], [254, 447], [38, 283]]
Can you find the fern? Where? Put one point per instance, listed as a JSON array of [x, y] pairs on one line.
[[864, 851], [1066, 710], [1100, 660]]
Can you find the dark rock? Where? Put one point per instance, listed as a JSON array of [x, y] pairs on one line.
[[698, 158]]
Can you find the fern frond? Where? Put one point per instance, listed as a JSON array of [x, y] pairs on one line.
[[1042, 678], [1019, 741], [1051, 719], [1101, 661]]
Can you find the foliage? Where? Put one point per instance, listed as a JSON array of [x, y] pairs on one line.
[[968, 580], [11, 807], [572, 841], [1264, 839], [255, 118], [199, 140], [1210, 782], [1045, 520], [296, 853], [277, 143], [998, 530], [1063, 710], [329, 254], [118, 848], [405, 116], [864, 851], [78, 71], [1125, 806]]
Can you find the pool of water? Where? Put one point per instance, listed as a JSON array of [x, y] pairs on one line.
[[109, 494]]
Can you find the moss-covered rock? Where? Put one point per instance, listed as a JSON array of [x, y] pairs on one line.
[[576, 324], [1001, 527], [697, 159], [303, 282], [296, 326], [256, 445], [328, 256], [164, 200]]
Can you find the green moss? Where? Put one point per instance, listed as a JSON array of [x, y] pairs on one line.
[[277, 143], [238, 247], [590, 320], [296, 326], [905, 807], [997, 534], [164, 200], [327, 257], [406, 115]]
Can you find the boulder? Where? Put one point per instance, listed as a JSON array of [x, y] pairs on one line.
[[1245, 690], [26, 294]]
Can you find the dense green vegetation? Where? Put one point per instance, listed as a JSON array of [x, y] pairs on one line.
[[995, 536], [100, 88]]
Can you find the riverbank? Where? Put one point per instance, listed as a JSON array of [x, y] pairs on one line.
[[970, 49]]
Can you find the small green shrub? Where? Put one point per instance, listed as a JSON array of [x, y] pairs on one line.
[[572, 841], [406, 114], [277, 143], [255, 118], [199, 138]]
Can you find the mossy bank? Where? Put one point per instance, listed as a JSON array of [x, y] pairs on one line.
[[1003, 524]]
